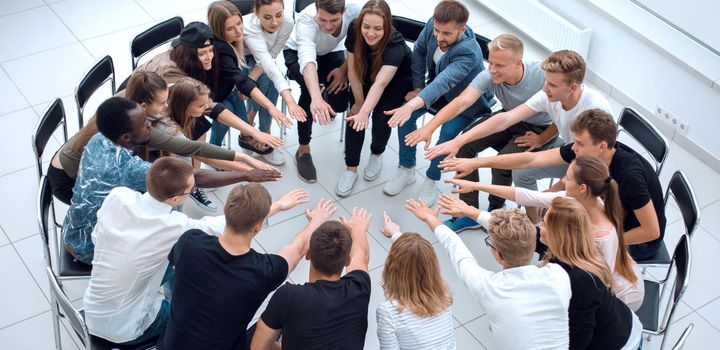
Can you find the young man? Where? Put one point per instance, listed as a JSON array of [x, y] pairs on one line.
[[448, 51], [315, 56], [328, 312], [133, 236], [513, 82], [527, 305], [563, 97], [595, 133], [220, 282], [108, 161]]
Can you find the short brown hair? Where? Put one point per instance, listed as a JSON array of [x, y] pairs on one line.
[[512, 235], [599, 124], [507, 42], [168, 177], [143, 86], [246, 206], [330, 247], [332, 6], [451, 10], [566, 62]]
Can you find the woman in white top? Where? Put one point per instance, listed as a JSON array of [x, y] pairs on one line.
[[416, 314], [588, 181], [265, 33]]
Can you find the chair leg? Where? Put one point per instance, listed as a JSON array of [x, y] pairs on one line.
[[284, 109], [342, 125], [56, 323], [229, 139]]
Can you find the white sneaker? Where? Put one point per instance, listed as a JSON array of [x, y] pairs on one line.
[[275, 157], [429, 192], [372, 170], [346, 183], [403, 177]]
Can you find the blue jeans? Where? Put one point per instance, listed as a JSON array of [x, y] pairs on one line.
[[158, 326], [266, 86], [448, 131], [235, 104]]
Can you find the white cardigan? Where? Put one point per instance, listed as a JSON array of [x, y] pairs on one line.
[[264, 51]]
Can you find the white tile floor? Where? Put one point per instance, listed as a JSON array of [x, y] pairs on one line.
[[54, 42]]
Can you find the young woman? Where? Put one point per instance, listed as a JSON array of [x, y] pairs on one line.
[[151, 92], [265, 32], [193, 55], [598, 320], [379, 70], [588, 181], [416, 314], [226, 25]]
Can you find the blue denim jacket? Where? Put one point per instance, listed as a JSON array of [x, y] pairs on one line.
[[454, 71], [104, 165]]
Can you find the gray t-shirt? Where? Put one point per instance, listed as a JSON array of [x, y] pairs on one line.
[[512, 96]]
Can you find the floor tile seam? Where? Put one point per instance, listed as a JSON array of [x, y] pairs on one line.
[[145, 10], [23, 10], [709, 204], [73, 34], [28, 268], [23, 320], [37, 52], [716, 327], [15, 111], [15, 171], [474, 337], [6, 236], [4, 71]]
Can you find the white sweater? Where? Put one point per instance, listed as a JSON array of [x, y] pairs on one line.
[[265, 48], [527, 306]]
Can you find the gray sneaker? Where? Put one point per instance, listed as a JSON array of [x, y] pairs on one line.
[[373, 168], [403, 177], [346, 183]]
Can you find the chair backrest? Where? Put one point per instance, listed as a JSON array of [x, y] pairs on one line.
[[60, 302], [96, 77], [409, 28], [681, 342], [44, 204], [679, 188], [300, 5], [646, 134], [245, 6], [483, 42], [53, 118], [682, 261], [153, 37]]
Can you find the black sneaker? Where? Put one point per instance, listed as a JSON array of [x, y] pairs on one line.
[[249, 143], [305, 167], [202, 200]]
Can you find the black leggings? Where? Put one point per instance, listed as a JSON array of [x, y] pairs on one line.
[[393, 97], [325, 63], [61, 184]]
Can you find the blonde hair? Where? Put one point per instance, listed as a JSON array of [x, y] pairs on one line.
[[569, 239], [218, 13], [566, 62], [512, 235], [507, 42], [412, 276]]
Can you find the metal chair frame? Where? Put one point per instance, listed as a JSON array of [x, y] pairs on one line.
[[99, 74]]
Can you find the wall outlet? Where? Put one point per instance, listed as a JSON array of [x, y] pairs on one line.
[[672, 119]]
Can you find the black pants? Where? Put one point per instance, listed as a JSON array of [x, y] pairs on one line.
[[61, 184], [503, 142], [325, 64], [393, 97]]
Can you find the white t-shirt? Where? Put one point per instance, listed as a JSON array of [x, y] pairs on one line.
[[563, 119], [265, 47], [309, 39], [437, 55], [133, 237]]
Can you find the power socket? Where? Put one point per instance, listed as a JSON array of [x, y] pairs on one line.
[[672, 119]]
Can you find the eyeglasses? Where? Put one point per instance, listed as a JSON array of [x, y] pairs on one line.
[[192, 190], [487, 242]]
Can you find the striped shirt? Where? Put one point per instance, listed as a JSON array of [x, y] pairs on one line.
[[405, 330]]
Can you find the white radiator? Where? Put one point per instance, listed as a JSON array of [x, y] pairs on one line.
[[548, 26]]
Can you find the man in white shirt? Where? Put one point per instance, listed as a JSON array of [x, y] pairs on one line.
[[124, 301], [563, 97], [526, 304], [315, 56]]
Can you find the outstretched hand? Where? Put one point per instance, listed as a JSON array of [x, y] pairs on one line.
[[322, 212], [292, 199], [359, 220], [421, 210], [389, 227]]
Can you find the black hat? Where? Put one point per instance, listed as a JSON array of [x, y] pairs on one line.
[[194, 35]]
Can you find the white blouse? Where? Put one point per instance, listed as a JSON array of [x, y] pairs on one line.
[[265, 47]]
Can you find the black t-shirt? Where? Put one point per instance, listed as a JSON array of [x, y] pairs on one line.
[[637, 183], [323, 314], [216, 294], [396, 54]]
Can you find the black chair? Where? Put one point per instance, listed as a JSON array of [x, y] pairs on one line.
[[655, 323], [153, 37], [245, 6], [63, 307], [54, 117], [96, 77], [66, 268], [683, 338], [679, 188], [640, 129]]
